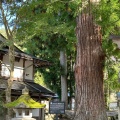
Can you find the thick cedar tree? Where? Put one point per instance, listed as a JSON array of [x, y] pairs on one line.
[[89, 92]]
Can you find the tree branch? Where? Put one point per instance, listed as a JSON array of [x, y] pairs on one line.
[[5, 22]]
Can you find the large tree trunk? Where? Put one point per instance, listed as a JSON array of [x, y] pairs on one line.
[[89, 95], [63, 63]]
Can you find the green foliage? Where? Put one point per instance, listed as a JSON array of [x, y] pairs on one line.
[[48, 27], [111, 75], [111, 49], [107, 16], [39, 78], [60, 20], [2, 109], [112, 55], [52, 76]]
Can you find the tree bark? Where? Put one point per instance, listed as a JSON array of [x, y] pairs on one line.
[[10, 80], [63, 63], [89, 94], [10, 31]]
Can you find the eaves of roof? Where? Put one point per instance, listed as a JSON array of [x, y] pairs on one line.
[[19, 53], [32, 86]]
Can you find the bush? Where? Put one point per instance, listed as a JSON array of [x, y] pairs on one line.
[[2, 109]]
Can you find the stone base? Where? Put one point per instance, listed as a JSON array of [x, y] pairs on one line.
[[23, 119]]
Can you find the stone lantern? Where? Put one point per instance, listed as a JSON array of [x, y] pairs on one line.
[[23, 106]]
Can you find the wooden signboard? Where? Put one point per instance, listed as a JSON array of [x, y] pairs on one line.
[[57, 108]]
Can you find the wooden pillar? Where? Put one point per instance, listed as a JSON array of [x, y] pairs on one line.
[[1, 59], [23, 69]]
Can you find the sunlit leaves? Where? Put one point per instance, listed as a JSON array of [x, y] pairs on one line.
[[107, 15], [39, 79], [111, 64]]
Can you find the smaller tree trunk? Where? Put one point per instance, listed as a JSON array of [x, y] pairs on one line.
[[8, 99], [64, 93], [10, 80], [10, 31]]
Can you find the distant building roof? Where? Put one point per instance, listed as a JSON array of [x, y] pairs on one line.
[[19, 53]]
